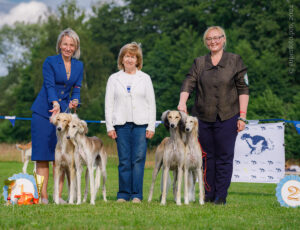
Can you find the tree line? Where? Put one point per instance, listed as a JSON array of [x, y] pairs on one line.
[[170, 32]]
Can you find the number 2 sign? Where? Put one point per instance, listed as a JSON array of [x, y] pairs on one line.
[[288, 191]]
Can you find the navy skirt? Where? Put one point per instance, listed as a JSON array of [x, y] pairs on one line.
[[43, 137]]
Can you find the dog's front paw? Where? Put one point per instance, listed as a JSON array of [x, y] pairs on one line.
[[178, 203], [201, 202]]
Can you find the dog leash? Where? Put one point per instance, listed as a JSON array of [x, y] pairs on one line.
[[204, 155], [68, 110]]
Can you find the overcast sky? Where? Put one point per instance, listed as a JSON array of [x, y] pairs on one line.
[[29, 11]]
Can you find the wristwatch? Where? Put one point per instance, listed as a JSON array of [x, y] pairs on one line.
[[242, 119]]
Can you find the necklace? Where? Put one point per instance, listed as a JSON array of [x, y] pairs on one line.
[[68, 69]]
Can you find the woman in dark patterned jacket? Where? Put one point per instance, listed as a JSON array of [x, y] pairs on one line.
[[222, 94]]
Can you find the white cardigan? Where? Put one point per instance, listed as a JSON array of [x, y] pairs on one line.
[[141, 96]]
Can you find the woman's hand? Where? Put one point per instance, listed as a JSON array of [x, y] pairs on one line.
[[240, 125], [149, 134], [182, 107], [56, 108], [112, 134], [73, 104], [182, 102]]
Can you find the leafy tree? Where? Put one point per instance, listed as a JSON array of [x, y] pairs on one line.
[[264, 33]]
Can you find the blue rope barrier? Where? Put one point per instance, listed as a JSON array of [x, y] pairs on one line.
[[29, 119], [95, 121], [157, 123]]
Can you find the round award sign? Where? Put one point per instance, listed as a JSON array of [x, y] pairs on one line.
[[288, 191], [20, 189]]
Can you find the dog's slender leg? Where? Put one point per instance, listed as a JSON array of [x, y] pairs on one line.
[[26, 160], [56, 182], [165, 178], [67, 172], [34, 169], [92, 182], [78, 177], [86, 191], [72, 184], [186, 193], [175, 177], [104, 176], [97, 179], [191, 185], [201, 185], [178, 196], [23, 155]]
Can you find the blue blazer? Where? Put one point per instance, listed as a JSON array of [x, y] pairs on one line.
[[56, 86]]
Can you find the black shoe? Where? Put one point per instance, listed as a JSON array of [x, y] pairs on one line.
[[208, 199], [220, 200]]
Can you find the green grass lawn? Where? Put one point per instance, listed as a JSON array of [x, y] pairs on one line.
[[249, 206]]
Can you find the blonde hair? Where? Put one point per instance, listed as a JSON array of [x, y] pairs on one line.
[[218, 28], [72, 34], [134, 49]]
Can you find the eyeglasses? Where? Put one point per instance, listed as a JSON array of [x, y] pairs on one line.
[[216, 39]]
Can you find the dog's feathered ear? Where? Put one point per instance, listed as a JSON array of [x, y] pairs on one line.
[[53, 119], [83, 127], [182, 121], [164, 118], [196, 124]]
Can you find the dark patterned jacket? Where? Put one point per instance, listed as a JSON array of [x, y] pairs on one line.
[[217, 87]]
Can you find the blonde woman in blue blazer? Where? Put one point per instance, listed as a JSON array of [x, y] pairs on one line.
[[62, 74]]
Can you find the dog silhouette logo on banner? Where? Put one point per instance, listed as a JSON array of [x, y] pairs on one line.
[[257, 144], [259, 154]]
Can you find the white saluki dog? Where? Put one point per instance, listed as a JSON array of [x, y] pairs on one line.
[[64, 156], [170, 154], [89, 151], [26, 155], [193, 162]]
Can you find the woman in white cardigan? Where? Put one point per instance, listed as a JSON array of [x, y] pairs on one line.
[[130, 115]]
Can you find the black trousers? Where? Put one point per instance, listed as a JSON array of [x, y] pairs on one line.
[[218, 140]]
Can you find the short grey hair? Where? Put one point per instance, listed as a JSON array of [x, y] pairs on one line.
[[72, 34]]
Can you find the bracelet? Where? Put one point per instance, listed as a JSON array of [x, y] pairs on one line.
[[243, 112], [242, 119], [56, 104]]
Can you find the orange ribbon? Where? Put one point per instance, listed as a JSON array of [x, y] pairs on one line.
[[25, 198]]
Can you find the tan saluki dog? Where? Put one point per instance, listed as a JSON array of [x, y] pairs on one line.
[[193, 162], [170, 154], [64, 156], [89, 151], [26, 155]]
